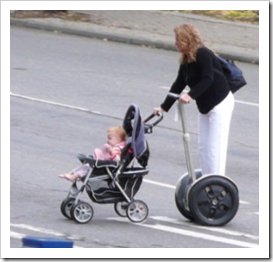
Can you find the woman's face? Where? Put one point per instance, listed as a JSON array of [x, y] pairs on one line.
[[180, 46]]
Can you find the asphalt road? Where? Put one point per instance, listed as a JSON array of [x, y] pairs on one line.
[[65, 92]]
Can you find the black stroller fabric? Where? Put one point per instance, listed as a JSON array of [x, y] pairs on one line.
[[109, 193]]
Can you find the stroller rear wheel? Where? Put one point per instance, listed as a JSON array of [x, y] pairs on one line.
[[137, 211], [81, 212], [213, 200], [120, 208], [66, 207]]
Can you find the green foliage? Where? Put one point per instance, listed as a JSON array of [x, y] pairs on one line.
[[249, 16]]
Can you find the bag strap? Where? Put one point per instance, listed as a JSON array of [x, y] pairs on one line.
[[218, 71], [186, 72]]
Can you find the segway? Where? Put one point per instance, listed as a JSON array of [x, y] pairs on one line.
[[207, 199]]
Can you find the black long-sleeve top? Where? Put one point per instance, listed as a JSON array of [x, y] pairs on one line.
[[207, 87]]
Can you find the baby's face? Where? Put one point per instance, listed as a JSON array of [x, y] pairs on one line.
[[112, 139]]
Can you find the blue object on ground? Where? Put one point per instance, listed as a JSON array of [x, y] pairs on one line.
[[44, 242]]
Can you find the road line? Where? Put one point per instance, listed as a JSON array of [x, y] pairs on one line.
[[254, 213], [213, 229], [37, 229], [192, 234], [158, 183], [44, 231], [237, 101], [247, 103], [201, 235], [55, 103], [17, 235]]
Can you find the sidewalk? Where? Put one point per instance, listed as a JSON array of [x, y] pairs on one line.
[[236, 41]]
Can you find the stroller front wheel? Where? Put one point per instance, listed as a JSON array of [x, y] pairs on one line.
[[137, 211], [81, 212]]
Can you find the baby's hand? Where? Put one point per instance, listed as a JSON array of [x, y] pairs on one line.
[[108, 148]]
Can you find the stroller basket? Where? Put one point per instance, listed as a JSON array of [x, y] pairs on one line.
[[101, 189]]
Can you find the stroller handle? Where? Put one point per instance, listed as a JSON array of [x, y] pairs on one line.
[[149, 127]]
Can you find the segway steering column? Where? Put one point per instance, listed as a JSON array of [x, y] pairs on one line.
[[186, 136]]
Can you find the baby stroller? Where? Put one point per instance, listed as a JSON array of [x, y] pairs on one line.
[[111, 182]]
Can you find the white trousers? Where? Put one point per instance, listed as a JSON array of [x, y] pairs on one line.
[[213, 137]]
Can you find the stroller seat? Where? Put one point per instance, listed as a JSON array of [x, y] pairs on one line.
[[85, 159]]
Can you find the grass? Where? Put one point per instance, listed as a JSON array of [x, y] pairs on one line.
[[247, 16]]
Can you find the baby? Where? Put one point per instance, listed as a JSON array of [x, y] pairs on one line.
[[116, 140]]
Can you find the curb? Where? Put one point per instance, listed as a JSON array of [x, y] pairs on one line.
[[121, 37]]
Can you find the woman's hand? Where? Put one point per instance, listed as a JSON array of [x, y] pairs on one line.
[[185, 99], [158, 110]]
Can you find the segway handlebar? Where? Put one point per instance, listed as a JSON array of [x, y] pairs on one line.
[[173, 95]]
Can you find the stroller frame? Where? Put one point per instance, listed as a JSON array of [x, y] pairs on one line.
[[113, 182]]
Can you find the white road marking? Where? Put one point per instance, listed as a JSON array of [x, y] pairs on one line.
[[55, 103], [213, 229], [246, 103], [42, 230], [158, 183], [192, 234], [17, 235], [201, 235]]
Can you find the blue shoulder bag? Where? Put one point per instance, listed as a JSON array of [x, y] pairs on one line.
[[232, 73]]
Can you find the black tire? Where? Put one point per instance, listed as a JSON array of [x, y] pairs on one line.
[[66, 207], [137, 211], [82, 212], [181, 191], [120, 208], [213, 200]]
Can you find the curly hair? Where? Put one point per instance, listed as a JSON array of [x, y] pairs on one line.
[[190, 38], [119, 131]]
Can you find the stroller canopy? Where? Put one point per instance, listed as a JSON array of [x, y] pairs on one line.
[[134, 128]]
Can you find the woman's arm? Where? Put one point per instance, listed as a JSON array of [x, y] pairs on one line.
[[177, 87]]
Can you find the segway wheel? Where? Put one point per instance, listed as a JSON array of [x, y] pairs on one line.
[[183, 209], [81, 212], [120, 208], [137, 211], [213, 200], [66, 207], [181, 191]]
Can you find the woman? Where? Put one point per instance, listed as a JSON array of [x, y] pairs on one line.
[[214, 100]]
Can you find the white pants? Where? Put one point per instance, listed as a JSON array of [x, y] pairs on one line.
[[213, 137]]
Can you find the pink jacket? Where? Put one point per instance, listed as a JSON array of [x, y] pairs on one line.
[[104, 154]]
